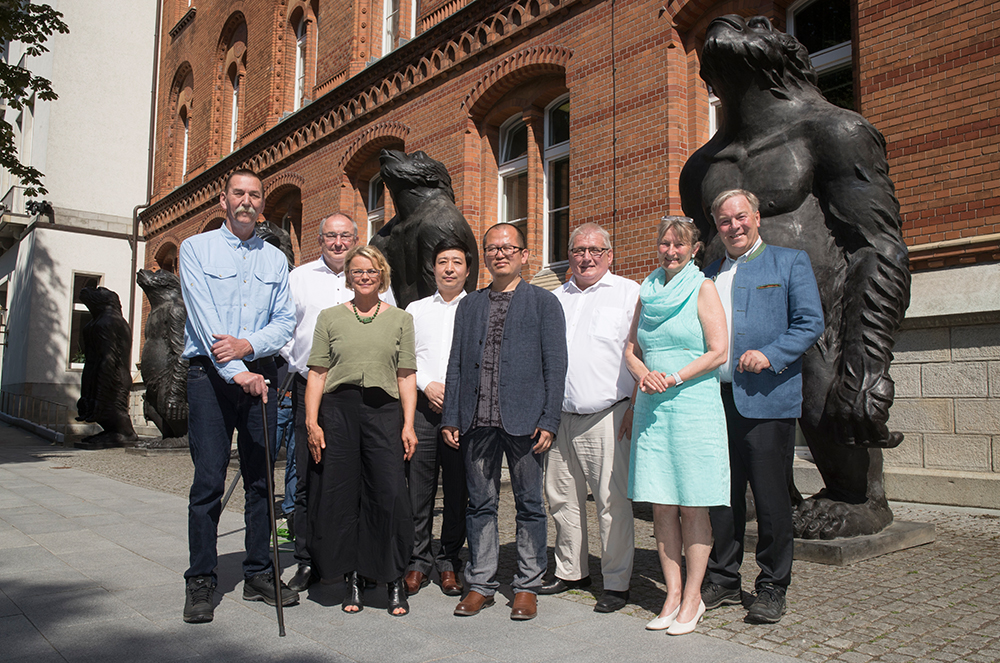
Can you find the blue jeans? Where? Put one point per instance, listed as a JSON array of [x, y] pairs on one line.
[[483, 450], [286, 429], [215, 409]]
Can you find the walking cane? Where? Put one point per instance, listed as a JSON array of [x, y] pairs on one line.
[[274, 522], [236, 479]]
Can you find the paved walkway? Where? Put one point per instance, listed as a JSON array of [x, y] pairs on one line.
[[91, 564]]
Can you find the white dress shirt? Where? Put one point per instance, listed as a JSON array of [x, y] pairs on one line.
[[314, 287], [598, 320], [433, 326], [724, 284]]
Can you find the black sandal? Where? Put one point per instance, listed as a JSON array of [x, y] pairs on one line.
[[355, 594], [397, 598]]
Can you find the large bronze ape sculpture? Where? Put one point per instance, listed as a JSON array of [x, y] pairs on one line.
[[164, 370], [425, 215], [107, 370], [822, 177]]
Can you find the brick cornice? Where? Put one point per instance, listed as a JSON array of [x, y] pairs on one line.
[[463, 38]]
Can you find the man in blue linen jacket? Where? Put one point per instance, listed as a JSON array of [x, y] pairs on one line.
[[503, 394], [774, 316], [239, 316]]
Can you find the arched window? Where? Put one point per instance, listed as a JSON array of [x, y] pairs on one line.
[[178, 139], [824, 28], [187, 137], [234, 117], [513, 171], [517, 172], [300, 63], [233, 81]]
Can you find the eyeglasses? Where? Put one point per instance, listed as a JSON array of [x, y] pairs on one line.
[[347, 237], [358, 273], [507, 250], [595, 252]]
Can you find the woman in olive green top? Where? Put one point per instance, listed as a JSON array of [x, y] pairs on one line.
[[362, 368]]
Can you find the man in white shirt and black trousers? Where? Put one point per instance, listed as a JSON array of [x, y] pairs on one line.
[[433, 324], [588, 450]]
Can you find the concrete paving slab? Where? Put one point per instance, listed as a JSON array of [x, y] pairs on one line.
[[11, 537], [65, 543], [7, 607], [120, 569], [120, 640], [17, 583], [82, 606], [21, 639]]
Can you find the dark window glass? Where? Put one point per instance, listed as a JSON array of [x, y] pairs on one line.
[[558, 209], [838, 87], [823, 24], [559, 124], [516, 143]]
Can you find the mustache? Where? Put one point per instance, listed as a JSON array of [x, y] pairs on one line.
[[245, 209]]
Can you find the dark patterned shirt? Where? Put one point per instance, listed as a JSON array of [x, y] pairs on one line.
[[488, 405]]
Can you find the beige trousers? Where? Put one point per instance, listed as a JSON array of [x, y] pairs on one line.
[[586, 454]]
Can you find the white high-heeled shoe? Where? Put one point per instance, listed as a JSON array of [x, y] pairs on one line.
[[664, 622], [683, 628]]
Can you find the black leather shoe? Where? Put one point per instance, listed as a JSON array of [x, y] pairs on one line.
[[199, 594], [611, 600], [558, 585], [261, 588], [303, 577], [355, 594], [397, 598]]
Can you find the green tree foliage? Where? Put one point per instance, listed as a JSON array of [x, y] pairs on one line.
[[31, 25]]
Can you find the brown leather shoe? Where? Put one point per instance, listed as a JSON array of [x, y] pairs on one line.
[[415, 580], [450, 584], [472, 604], [525, 606]]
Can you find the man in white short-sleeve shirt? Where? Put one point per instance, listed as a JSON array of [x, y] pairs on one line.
[[587, 450]]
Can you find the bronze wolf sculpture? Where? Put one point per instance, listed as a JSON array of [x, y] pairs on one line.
[[822, 177], [425, 215]]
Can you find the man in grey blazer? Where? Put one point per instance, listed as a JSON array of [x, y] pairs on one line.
[[774, 316], [503, 395]]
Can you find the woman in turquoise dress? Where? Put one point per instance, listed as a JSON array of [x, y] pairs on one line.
[[680, 457]]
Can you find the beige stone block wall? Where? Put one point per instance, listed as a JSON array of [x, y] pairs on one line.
[[947, 399]]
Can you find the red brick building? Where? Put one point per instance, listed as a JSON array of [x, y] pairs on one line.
[[552, 113]]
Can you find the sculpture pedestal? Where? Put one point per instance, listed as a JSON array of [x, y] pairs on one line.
[[899, 535]]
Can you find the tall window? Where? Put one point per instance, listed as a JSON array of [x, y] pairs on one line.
[[557, 179], [375, 205], [514, 173], [80, 316], [300, 63], [390, 26], [234, 118], [824, 28], [184, 149]]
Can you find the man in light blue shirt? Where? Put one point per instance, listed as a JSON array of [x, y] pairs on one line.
[[239, 315]]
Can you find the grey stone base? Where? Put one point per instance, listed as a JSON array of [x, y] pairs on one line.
[[900, 535]]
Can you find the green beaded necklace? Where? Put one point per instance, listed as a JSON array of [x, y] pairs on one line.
[[365, 321]]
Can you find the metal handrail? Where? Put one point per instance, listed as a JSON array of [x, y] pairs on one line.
[[36, 410]]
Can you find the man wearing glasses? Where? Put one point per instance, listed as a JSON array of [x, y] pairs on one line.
[[587, 452], [503, 395], [314, 286]]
